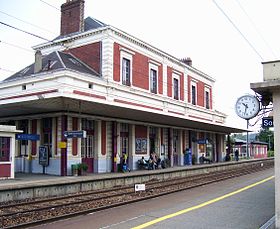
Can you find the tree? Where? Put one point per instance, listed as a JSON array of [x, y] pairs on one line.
[[266, 135]]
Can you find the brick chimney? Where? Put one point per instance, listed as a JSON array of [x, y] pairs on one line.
[[72, 17], [187, 61]]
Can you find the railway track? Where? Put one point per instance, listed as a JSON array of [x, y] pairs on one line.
[[35, 212]]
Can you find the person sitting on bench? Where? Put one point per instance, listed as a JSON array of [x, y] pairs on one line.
[[203, 159]]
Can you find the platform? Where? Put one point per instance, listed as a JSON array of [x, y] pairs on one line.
[[39, 185]]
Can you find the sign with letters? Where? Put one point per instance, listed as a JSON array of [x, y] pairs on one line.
[[75, 134], [267, 122], [44, 155], [31, 137], [139, 187]]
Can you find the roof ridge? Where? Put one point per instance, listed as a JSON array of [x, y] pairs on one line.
[[60, 59]]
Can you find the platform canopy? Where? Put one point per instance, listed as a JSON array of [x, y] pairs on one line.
[[63, 105]]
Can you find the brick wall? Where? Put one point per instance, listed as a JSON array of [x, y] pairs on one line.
[[89, 54], [72, 17], [169, 81], [200, 93]]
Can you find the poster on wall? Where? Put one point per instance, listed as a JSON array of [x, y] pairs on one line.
[[141, 145]]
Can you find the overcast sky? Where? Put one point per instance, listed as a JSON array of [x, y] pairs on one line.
[[182, 28]]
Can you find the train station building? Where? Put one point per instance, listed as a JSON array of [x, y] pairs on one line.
[[95, 93]]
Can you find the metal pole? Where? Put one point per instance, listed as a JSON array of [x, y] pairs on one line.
[[269, 142], [247, 141]]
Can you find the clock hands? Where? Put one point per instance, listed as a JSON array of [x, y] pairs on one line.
[[246, 107]]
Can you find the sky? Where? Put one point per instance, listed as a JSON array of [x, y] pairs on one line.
[[226, 39]]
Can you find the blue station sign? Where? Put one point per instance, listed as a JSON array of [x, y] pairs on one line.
[[30, 137], [267, 122], [75, 134]]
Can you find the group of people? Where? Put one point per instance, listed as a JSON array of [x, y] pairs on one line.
[[152, 163], [236, 155]]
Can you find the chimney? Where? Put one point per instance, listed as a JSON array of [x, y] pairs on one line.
[[38, 62], [187, 61], [72, 17]]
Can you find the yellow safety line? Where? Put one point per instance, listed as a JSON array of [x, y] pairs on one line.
[[201, 205]]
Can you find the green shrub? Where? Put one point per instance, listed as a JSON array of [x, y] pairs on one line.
[[270, 153]]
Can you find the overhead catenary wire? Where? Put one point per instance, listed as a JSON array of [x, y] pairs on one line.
[[32, 34], [256, 29], [238, 30], [50, 5], [16, 46], [26, 22]]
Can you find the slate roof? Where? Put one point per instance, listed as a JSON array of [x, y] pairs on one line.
[[55, 61], [89, 24], [241, 142]]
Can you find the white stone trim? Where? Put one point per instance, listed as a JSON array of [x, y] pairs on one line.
[[129, 57]]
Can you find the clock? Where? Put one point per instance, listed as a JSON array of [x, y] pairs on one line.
[[247, 106]]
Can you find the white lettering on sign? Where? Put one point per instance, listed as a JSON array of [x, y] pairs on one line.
[[139, 187], [267, 122]]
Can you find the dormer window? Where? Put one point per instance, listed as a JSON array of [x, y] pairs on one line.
[[74, 61], [24, 71]]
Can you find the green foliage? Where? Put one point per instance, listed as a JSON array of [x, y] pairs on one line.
[[82, 166], [270, 153], [266, 135]]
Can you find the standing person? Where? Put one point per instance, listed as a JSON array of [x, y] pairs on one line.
[[236, 154], [125, 166]]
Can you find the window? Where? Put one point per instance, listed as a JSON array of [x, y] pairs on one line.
[[4, 149], [193, 94], [87, 146], [47, 133], [175, 88], [126, 71], [207, 99], [153, 81]]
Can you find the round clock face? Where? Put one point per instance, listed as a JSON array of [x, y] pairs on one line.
[[247, 106]]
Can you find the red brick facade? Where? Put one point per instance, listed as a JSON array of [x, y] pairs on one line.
[[140, 69], [169, 81], [141, 132], [200, 87], [182, 87], [72, 17], [89, 54], [200, 93]]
